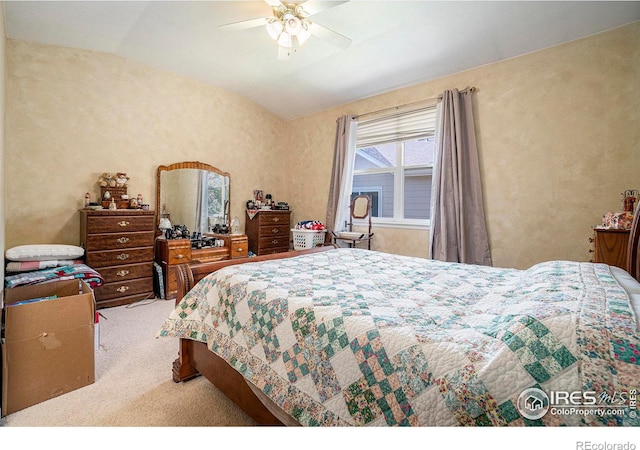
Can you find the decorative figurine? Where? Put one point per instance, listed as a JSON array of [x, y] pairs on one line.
[[630, 196], [105, 180], [121, 179]]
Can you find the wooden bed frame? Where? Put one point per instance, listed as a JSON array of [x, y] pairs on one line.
[[194, 358]]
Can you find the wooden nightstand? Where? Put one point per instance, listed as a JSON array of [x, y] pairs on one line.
[[610, 246]]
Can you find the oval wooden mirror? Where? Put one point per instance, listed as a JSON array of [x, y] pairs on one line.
[[193, 194]]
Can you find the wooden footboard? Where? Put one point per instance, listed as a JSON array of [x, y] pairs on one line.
[[194, 358]]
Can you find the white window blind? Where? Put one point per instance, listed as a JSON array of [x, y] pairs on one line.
[[398, 126]]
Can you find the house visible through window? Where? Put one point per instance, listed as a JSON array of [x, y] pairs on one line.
[[394, 165]]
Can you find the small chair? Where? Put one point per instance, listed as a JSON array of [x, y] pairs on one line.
[[360, 208]]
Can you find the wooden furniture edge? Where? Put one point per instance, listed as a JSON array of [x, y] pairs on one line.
[[194, 358], [196, 272], [633, 249]]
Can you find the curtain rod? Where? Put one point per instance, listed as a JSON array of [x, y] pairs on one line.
[[426, 102]]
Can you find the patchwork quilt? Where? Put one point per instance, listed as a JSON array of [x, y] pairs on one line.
[[56, 273], [358, 337]]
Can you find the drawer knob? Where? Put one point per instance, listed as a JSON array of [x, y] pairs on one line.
[[122, 273], [123, 240], [123, 256], [276, 219], [274, 231], [123, 223], [180, 256], [275, 241], [239, 249], [122, 289]]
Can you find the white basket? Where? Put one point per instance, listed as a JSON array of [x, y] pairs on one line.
[[303, 239]]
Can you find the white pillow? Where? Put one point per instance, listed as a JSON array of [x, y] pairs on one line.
[[44, 252]]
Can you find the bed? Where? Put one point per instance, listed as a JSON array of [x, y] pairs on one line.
[[353, 337]]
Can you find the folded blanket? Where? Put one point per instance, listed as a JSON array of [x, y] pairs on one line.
[[28, 266], [69, 272]]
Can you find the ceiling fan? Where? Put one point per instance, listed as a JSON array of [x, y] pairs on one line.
[[290, 26]]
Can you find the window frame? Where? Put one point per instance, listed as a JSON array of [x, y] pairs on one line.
[[399, 173]]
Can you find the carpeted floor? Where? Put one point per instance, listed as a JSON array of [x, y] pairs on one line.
[[133, 386]]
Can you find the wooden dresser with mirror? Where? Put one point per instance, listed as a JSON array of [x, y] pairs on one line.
[[196, 195]]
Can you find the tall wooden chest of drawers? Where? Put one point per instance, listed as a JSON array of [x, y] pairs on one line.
[[119, 245], [268, 231]]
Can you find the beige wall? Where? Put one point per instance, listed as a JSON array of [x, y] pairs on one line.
[[557, 132], [74, 114], [558, 135]]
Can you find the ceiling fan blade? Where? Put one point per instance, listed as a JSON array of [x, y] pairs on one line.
[[329, 35], [312, 7], [273, 3], [245, 24]]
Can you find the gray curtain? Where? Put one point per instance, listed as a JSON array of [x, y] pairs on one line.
[[458, 229], [202, 203], [341, 170]]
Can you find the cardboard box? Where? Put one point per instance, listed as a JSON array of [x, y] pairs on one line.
[[48, 346]]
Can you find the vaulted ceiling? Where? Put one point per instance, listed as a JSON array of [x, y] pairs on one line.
[[393, 43]]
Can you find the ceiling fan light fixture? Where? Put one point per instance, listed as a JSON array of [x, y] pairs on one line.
[[274, 28], [285, 40], [304, 33], [292, 24], [290, 27]]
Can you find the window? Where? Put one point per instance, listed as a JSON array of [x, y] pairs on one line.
[[394, 166], [216, 192]]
